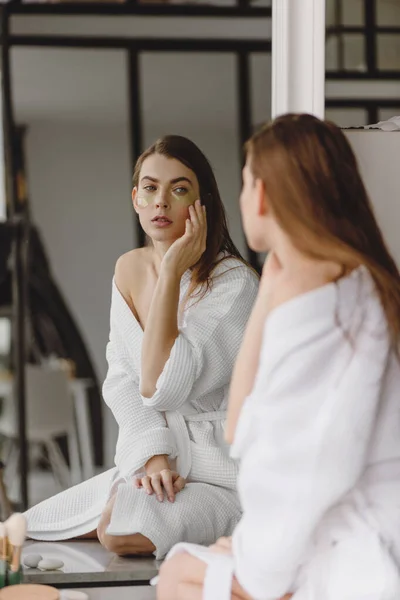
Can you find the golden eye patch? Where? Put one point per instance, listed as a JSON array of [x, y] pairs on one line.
[[142, 200], [179, 194], [188, 196]]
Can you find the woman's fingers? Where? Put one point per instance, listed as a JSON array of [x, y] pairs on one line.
[[157, 487], [199, 222], [220, 549], [222, 546], [201, 216], [189, 227], [198, 216], [194, 218], [146, 483], [179, 483], [225, 542], [199, 212], [204, 229], [166, 478]]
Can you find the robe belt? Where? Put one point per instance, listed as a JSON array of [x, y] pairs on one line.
[[177, 423]]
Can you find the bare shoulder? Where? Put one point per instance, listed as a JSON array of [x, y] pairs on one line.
[[129, 269], [130, 264]]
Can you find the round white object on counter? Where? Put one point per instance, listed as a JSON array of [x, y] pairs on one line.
[[73, 595], [50, 564], [32, 560]]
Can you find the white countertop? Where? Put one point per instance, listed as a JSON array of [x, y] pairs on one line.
[[87, 563]]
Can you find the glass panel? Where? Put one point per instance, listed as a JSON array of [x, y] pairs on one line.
[[347, 117], [345, 52], [263, 3], [330, 12], [260, 65], [353, 12], [354, 52], [5, 341], [3, 209], [344, 12], [384, 114], [389, 52], [332, 53], [214, 2], [228, 3], [388, 12], [74, 1]]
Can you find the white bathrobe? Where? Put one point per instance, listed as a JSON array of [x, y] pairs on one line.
[[319, 443], [184, 419]]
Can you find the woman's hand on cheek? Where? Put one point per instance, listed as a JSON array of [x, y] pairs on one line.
[[188, 249]]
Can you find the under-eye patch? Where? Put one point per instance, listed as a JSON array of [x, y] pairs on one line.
[[142, 200], [188, 197], [185, 196]]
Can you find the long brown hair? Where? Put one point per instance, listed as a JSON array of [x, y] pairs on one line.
[[218, 237], [317, 195]]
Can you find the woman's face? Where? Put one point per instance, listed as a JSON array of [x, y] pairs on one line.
[[254, 211], [165, 190]]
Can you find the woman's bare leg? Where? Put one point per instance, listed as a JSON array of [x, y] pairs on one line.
[[123, 545], [182, 578], [91, 535]]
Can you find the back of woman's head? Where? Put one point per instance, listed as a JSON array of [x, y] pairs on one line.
[[218, 237], [317, 196]]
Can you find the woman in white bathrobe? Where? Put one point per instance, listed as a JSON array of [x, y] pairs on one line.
[[314, 409], [179, 310]]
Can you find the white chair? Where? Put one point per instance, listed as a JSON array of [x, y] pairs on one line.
[[49, 414]]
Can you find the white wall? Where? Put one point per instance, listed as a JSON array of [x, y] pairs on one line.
[[378, 155], [79, 188]]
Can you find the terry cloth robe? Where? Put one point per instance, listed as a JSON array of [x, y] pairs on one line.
[[184, 419], [319, 443]]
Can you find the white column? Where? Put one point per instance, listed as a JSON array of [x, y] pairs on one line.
[[298, 57]]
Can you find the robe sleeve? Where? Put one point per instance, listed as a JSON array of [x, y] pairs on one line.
[[203, 354], [302, 437], [143, 432]]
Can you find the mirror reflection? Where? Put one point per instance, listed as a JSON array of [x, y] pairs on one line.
[[129, 166]]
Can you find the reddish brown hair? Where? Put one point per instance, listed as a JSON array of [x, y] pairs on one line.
[[218, 237], [317, 195]]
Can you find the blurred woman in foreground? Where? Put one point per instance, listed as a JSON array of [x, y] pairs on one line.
[[314, 409]]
